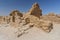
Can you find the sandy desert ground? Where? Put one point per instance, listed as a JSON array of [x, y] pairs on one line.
[[10, 33]]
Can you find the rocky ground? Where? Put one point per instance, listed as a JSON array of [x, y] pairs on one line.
[[30, 26], [34, 33]]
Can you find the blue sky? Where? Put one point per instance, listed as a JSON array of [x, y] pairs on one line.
[[47, 6]]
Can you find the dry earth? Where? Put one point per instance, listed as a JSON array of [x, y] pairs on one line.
[[34, 33], [18, 26]]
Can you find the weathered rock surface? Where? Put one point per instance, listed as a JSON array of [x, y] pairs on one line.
[[51, 17], [17, 19], [16, 13], [27, 26], [35, 11], [33, 15], [47, 26]]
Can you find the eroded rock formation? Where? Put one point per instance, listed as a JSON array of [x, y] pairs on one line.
[[35, 10], [16, 13], [51, 17], [17, 19], [47, 26]]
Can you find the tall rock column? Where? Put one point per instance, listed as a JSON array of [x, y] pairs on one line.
[[35, 10]]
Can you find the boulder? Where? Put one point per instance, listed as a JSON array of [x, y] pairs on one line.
[[47, 26], [16, 13]]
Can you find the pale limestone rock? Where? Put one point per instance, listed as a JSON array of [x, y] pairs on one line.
[[27, 20], [1, 19], [30, 19], [16, 13], [47, 26], [35, 11], [33, 15], [51, 17]]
